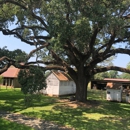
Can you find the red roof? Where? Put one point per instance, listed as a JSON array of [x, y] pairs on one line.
[[12, 72], [61, 76]]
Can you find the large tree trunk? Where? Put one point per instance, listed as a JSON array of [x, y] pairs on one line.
[[81, 80], [81, 85], [81, 89]]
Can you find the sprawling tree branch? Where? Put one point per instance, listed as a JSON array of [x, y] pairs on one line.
[[58, 59], [37, 49], [51, 63], [5, 68], [8, 32], [103, 69], [76, 53], [5, 58], [110, 43], [13, 2], [127, 16], [34, 27], [40, 37], [91, 44], [72, 55], [101, 57], [40, 20]]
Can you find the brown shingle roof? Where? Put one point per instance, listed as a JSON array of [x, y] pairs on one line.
[[111, 85], [12, 72], [61, 76]]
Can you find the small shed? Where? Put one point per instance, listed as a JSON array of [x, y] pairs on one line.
[[10, 77], [58, 84], [114, 91]]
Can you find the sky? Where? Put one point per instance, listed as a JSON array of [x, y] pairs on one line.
[[13, 43]]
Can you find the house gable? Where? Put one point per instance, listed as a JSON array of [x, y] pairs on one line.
[[10, 77], [12, 72], [62, 76], [52, 80]]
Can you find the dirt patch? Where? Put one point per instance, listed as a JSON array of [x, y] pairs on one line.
[[76, 104]]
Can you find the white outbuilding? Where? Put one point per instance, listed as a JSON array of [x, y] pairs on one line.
[[114, 91], [58, 84]]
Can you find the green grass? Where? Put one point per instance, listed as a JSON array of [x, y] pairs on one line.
[[99, 114], [7, 125]]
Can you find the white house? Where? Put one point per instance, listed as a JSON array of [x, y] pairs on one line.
[[114, 92], [59, 83]]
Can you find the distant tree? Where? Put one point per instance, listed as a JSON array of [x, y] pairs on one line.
[[126, 75], [102, 75], [113, 74]]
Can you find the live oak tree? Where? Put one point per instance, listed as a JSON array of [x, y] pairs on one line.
[[74, 36]]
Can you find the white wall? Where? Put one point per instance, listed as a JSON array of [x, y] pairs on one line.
[[56, 87], [52, 85], [114, 95], [67, 87]]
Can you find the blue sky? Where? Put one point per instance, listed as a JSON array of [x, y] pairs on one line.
[[14, 43]]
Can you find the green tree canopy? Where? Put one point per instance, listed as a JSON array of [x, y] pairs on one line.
[[102, 75], [126, 75], [113, 74], [1, 79], [107, 74], [75, 36], [32, 80], [8, 58]]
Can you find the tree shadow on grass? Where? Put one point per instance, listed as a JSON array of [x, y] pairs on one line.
[[115, 108], [7, 125], [80, 118], [10, 100], [10, 94], [13, 101]]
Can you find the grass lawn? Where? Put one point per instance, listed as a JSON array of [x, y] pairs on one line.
[[7, 125], [96, 114]]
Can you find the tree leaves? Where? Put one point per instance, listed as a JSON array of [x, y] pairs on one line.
[[32, 80], [75, 30], [125, 75]]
